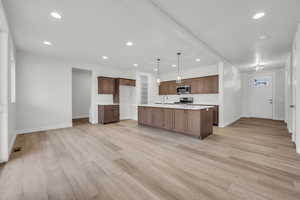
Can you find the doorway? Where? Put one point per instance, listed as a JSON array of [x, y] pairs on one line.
[[81, 96], [260, 94]]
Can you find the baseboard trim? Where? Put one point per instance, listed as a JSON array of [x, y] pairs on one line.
[[51, 127], [81, 116], [223, 125]]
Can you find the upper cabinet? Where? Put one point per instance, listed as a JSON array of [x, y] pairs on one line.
[[201, 85], [106, 85], [127, 82]]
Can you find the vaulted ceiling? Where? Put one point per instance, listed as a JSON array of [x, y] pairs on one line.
[[205, 29]]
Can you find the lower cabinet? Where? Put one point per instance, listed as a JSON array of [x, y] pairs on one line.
[[198, 123], [193, 125], [179, 120], [168, 119], [108, 114], [157, 117]]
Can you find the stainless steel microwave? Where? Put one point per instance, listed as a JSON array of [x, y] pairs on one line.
[[184, 89]]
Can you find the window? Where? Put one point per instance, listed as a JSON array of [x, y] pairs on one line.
[[260, 82]]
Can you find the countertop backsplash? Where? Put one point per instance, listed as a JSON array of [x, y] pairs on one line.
[[209, 99]]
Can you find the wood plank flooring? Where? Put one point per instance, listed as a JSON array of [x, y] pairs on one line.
[[252, 159]]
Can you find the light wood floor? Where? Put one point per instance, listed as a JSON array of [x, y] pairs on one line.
[[253, 159]]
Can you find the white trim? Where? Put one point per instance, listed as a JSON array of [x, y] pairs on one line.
[[51, 127], [81, 116], [225, 124]]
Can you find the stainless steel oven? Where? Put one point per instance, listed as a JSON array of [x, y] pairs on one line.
[[184, 89]]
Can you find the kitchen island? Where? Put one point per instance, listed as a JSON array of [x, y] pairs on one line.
[[187, 119]]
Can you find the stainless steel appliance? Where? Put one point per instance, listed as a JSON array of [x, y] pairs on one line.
[[185, 100], [184, 89]]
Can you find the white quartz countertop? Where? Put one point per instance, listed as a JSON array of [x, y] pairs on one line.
[[177, 106]]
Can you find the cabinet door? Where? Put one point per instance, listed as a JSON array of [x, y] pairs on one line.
[[157, 117], [172, 88], [106, 85], [179, 120], [169, 119], [163, 88], [116, 113], [197, 85], [108, 114], [142, 115], [193, 122], [148, 116]]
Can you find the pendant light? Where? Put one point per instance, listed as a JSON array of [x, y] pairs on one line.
[[157, 72], [259, 66], [178, 80]]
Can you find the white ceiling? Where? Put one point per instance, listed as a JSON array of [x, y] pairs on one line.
[[198, 28]]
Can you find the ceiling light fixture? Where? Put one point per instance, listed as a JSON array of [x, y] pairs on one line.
[[104, 57], [262, 37], [158, 79], [129, 43], [198, 59], [178, 80], [56, 15], [259, 68], [135, 65], [258, 15], [47, 43]]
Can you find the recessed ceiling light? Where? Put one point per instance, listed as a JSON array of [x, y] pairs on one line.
[[47, 43], [155, 69], [129, 43], [262, 37], [135, 65], [198, 59], [56, 15], [104, 57], [174, 65], [258, 15]]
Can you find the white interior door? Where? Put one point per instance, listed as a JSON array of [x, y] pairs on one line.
[[260, 90], [293, 91], [127, 102]]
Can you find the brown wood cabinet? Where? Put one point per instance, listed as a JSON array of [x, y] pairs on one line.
[[108, 114], [179, 120], [201, 85], [168, 119], [106, 85], [168, 88], [128, 82], [157, 117], [192, 122]]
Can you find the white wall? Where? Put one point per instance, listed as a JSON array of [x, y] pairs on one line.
[[7, 106], [211, 99], [278, 92], [297, 67], [230, 94], [81, 93], [44, 87]]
